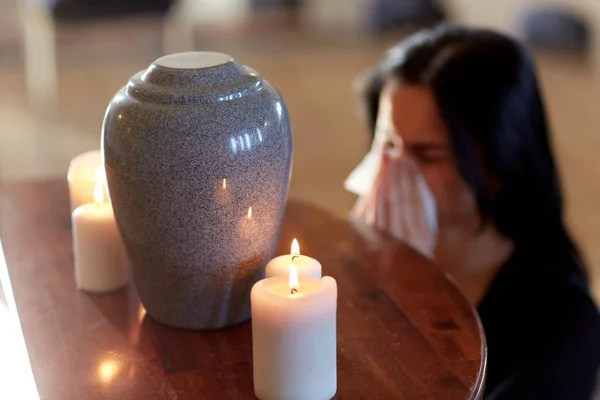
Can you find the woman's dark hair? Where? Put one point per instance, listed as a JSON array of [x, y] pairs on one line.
[[486, 88]]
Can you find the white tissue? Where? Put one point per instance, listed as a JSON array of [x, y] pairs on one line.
[[394, 197], [360, 181]]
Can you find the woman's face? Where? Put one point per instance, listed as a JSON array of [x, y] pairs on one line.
[[410, 118]]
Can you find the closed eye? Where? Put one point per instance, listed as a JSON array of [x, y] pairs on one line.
[[431, 152]]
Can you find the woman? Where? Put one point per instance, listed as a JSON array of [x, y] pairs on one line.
[[465, 104]]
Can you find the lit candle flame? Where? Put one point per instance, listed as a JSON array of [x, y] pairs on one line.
[[100, 176], [249, 212], [294, 285], [224, 184], [99, 193], [295, 248]]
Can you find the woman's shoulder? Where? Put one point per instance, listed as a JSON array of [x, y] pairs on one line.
[[564, 361], [575, 317], [543, 332]]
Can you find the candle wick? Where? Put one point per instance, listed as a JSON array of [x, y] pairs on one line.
[[295, 256], [294, 290]]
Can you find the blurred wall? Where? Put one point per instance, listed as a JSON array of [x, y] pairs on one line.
[[504, 14], [10, 27], [331, 15], [213, 12]]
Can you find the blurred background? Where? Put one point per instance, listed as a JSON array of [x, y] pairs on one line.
[[62, 60]]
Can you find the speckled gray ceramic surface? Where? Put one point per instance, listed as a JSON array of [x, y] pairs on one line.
[[197, 151]]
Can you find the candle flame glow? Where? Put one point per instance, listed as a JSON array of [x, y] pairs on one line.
[[141, 313], [295, 248], [249, 212], [108, 370], [99, 193], [100, 176], [294, 285], [224, 184]]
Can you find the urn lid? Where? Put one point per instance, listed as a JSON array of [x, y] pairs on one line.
[[193, 60], [192, 77]]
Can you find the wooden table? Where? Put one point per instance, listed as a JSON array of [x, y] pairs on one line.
[[404, 330]]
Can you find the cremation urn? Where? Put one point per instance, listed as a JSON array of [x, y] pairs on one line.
[[197, 150]]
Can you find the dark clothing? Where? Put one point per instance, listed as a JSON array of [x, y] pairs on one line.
[[542, 329]]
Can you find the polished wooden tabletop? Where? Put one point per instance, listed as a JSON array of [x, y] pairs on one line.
[[404, 330]]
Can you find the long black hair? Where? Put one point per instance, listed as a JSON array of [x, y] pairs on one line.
[[486, 88]]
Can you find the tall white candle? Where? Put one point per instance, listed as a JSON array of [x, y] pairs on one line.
[[294, 337], [306, 266], [100, 260], [82, 177]]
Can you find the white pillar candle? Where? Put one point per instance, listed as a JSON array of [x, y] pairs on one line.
[[100, 260], [82, 177], [306, 266], [294, 337]]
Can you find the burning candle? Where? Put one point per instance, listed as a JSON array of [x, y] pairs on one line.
[[294, 337], [305, 265], [100, 260], [82, 177]]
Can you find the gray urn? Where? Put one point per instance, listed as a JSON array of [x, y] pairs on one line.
[[197, 151]]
